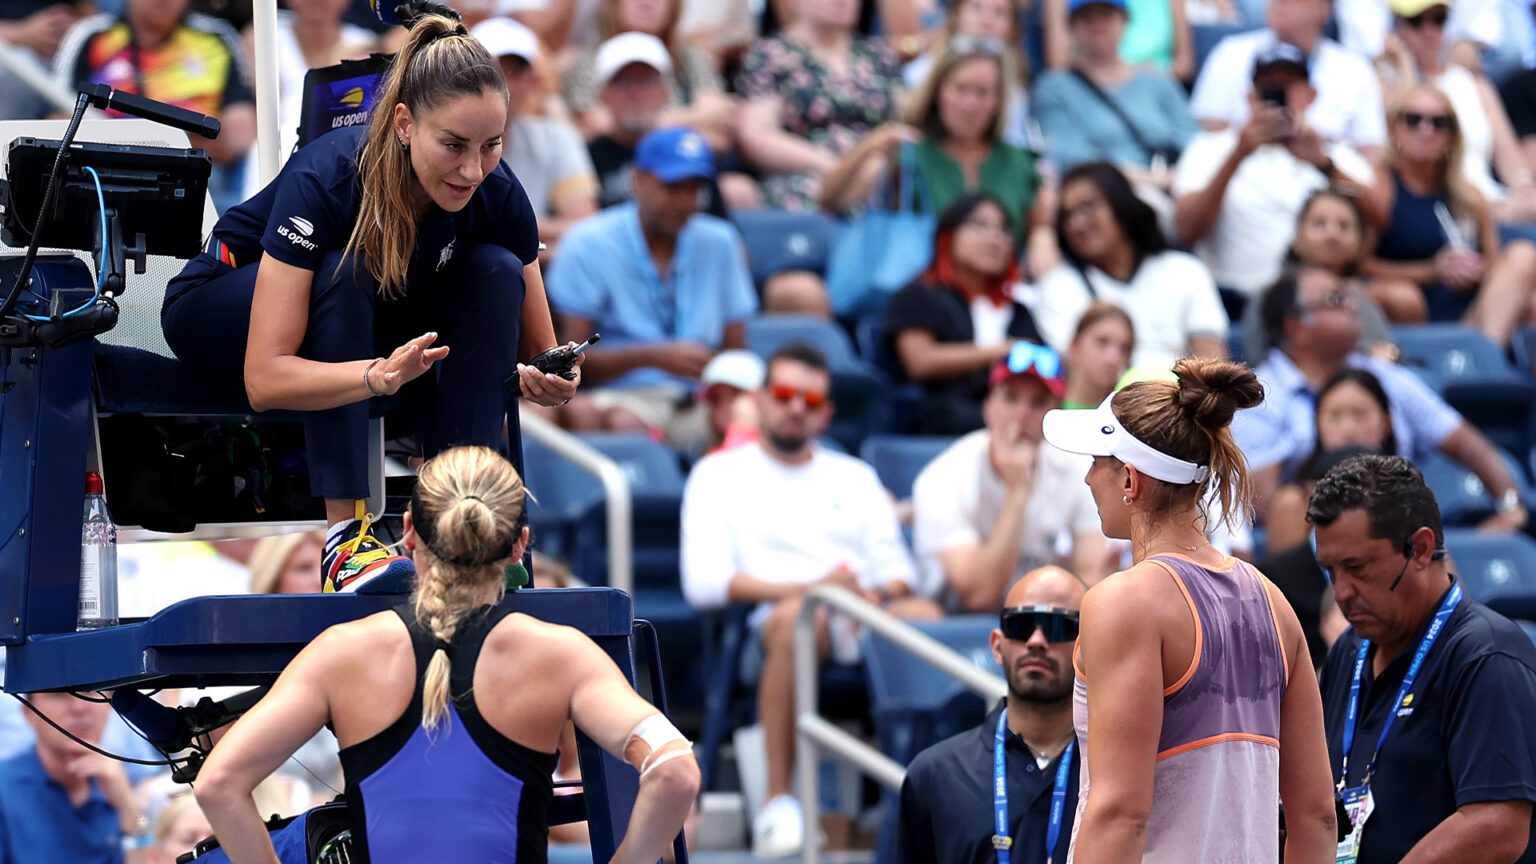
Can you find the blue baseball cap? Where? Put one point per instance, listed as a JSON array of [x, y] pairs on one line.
[[673, 154], [1074, 5]]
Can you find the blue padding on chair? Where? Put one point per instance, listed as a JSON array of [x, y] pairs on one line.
[[778, 240], [914, 704], [898, 459], [768, 333], [1499, 569], [1207, 36], [1461, 495], [565, 492], [1474, 377], [132, 380]]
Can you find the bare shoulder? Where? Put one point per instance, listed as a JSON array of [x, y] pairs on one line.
[[1139, 589], [341, 648], [527, 639]]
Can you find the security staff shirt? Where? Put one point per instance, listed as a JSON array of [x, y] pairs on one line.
[[946, 801], [1463, 735]]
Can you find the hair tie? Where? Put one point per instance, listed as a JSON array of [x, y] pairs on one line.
[[473, 498]]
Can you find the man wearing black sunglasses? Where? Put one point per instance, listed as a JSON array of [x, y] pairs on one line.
[[1026, 742]]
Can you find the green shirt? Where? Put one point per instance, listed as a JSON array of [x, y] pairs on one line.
[[1008, 174]]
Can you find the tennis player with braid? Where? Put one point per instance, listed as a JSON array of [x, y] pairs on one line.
[[1196, 704], [449, 709], [400, 257]]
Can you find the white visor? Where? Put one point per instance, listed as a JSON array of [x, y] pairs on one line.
[[1096, 432]]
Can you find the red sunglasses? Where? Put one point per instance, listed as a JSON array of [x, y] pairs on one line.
[[786, 394]]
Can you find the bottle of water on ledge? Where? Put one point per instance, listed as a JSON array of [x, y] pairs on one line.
[[98, 561]]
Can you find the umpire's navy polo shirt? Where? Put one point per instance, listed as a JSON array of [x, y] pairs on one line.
[[946, 801], [1468, 734]]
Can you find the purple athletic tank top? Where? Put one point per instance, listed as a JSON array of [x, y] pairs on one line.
[[1216, 787]]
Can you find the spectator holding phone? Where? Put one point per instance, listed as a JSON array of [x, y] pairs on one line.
[[1439, 259], [1237, 192], [958, 319]]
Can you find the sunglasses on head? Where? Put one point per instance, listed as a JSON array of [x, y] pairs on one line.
[[1439, 122], [1019, 623], [1027, 355], [1436, 17], [786, 394]]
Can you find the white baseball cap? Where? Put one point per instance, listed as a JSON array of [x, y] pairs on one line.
[[504, 36], [627, 48], [737, 367]]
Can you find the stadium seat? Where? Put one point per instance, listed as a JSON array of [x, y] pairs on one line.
[[898, 459], [779, 240], [1529, 627], [915, 705], [858, 388], [902, 398], [1499, 570], [1471, 373], [1462, 497], [1207, 36], [563, 493]]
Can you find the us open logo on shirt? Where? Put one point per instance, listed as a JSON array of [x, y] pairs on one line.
[[296, 235], [1407, 707]]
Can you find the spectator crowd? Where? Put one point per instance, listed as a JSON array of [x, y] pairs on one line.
[[1080, 192]]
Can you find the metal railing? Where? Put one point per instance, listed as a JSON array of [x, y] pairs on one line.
[[617, 499], [813, 733]]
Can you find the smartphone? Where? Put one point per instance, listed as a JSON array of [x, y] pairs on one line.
[[1274, 94], [560, 360]]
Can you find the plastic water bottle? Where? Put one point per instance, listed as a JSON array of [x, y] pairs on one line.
[[98, 561]]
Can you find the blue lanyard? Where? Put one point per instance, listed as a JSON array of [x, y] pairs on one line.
[[1446, 608], [1002, 841]]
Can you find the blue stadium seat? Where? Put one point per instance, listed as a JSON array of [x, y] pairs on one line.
[[1529, 627], [564, 493], [778, 240], [858, 388], [874, 343], [1474, 377], [1499, 570], [1206, 37], [898, 459], [1461, 495], [915, 705]]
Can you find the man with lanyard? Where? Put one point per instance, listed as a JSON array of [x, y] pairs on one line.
[[1428, 698], [1022, 759]]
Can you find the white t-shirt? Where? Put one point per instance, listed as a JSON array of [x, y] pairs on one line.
[[1245, 248], [1170, 298], [957, 498], [746, 512], [1348, 105]]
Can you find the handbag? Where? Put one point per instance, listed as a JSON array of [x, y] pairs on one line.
[[883, 250]]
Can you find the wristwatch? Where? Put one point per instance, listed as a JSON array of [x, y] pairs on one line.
[[1510, 501]]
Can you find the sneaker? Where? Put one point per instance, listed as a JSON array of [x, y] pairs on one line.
[[355, 561], [779, 828]]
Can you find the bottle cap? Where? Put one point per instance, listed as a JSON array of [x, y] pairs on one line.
[[92, 483]]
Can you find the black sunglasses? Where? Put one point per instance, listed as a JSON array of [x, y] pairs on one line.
[[1020, 623], [1439, 122], [1435, 17]]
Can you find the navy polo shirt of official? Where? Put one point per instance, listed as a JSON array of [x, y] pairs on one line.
[[1464, 736], [946, 801], [38, 823]]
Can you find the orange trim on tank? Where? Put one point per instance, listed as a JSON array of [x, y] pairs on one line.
[[1217, 739], [1194, 660], [1077, 669], [1274, 615]]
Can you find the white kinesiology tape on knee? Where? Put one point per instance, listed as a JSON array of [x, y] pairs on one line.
[[655, 740]]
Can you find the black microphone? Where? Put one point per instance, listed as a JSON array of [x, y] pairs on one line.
[[105, 97], [159, 724]]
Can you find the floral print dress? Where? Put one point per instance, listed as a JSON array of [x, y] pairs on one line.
[[831, 111]]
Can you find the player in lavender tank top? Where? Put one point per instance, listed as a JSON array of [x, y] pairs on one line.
[[1194, 702]]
